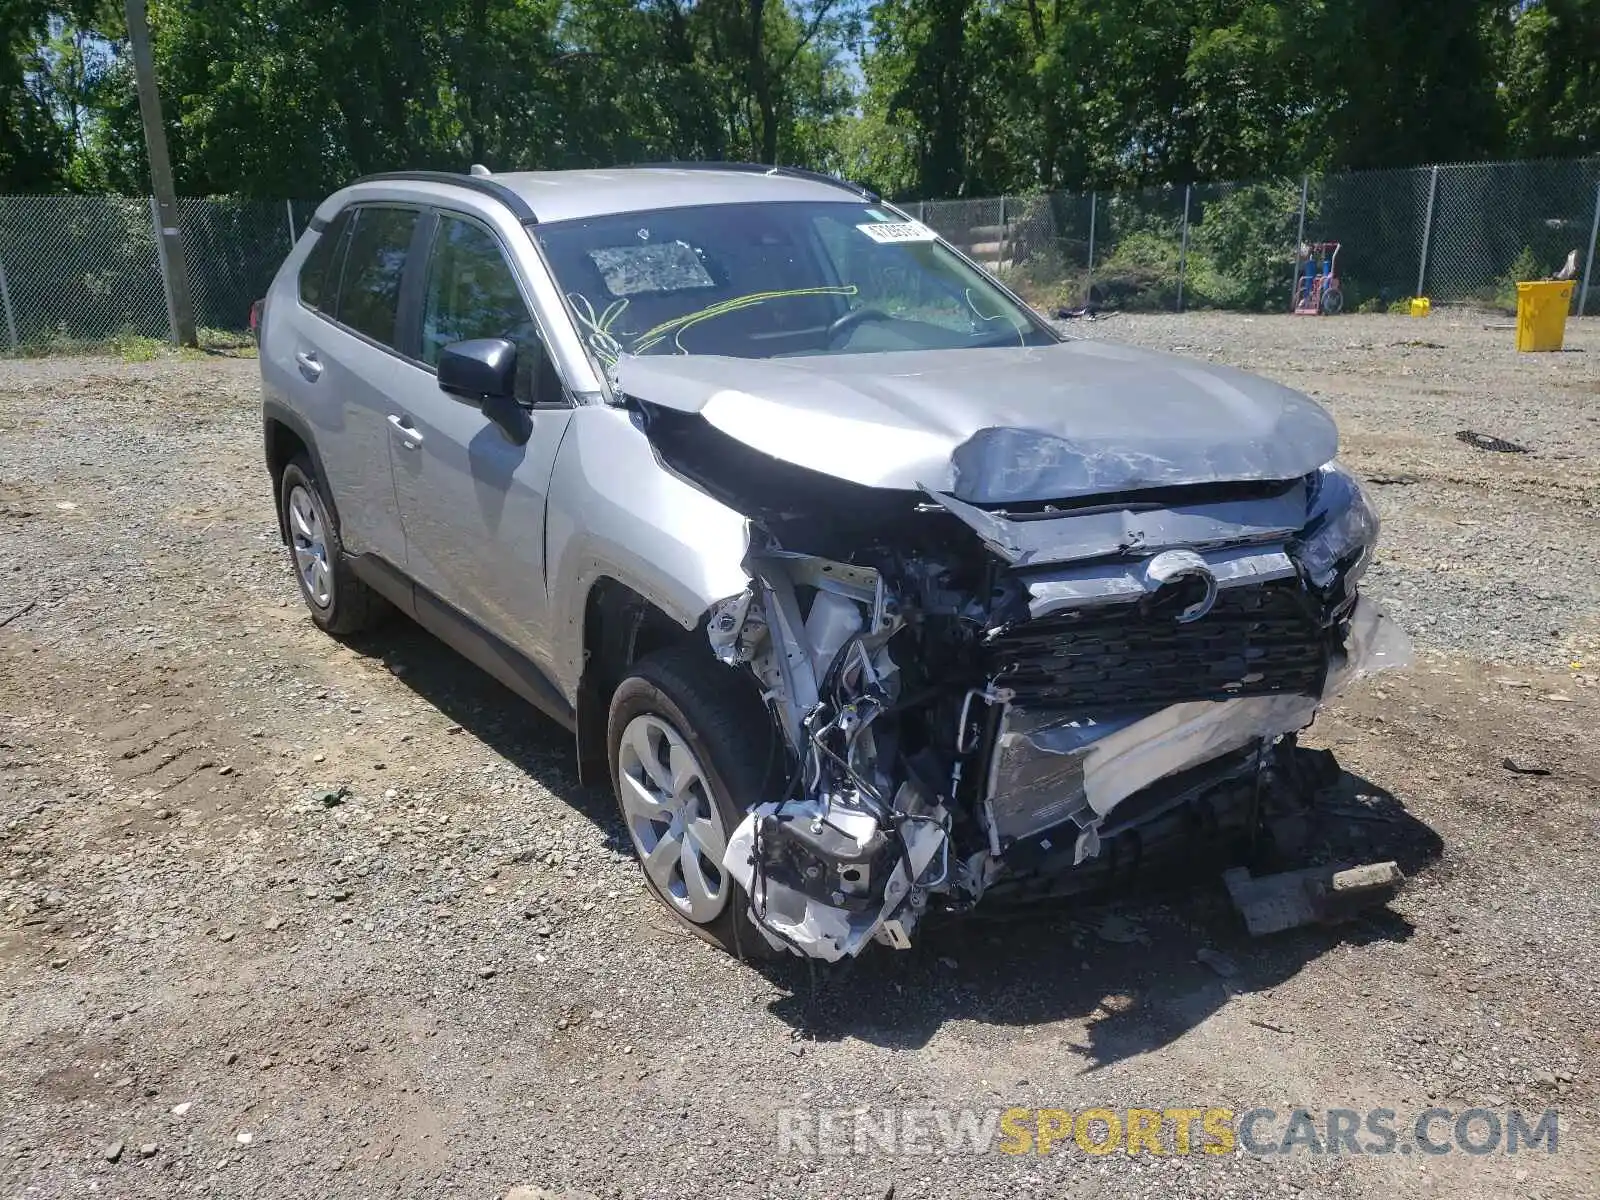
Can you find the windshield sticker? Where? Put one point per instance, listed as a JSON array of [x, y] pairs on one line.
[[889, 232]]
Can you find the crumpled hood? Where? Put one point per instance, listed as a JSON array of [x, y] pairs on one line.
[[1003, 425]]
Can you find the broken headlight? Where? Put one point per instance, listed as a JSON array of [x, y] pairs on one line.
[[1341, 529]]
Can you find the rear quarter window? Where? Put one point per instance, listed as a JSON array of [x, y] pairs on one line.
[[319, 274]]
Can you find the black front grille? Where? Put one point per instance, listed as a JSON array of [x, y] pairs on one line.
[[1255, 641]]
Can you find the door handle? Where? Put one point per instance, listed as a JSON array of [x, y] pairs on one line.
[[309, 365], [409, 437]]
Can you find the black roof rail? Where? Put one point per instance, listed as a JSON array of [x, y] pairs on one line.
[[764, 169], [486, 184]]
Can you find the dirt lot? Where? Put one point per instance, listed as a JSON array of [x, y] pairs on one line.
[[453, 982]]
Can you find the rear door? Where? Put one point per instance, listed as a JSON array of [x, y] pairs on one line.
[[346, 366], [472, 502]]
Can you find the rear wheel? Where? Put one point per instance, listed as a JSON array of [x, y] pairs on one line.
[[1332, 301], [339, 602], [691, 751]]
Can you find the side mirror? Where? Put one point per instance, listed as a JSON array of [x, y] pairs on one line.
[[485, 371], [482, 369]]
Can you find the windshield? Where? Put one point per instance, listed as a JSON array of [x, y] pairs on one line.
[[775, 279]]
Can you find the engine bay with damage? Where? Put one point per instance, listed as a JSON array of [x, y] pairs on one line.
[[1021, 696]]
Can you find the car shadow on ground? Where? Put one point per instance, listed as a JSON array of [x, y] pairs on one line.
[[510, 726], [1123, 963]]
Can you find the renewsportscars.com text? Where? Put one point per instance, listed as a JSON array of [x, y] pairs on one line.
[[1177, 1130]]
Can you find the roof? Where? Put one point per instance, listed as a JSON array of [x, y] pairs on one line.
[[566, 195]]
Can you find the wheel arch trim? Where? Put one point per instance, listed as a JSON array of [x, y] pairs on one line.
[[274, 416]]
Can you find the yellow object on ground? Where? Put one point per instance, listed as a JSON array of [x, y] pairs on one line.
[[1542, 314], [1421, 306]]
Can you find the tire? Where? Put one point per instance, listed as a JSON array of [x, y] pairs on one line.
[[716, 715], [1332, 302], [339, 602]]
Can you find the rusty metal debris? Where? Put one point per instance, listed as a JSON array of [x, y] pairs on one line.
[[1486, 441], [1524, 766]]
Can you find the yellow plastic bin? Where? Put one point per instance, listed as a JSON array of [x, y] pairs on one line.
[[1542, 314]]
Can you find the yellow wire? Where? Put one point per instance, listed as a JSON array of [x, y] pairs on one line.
[[652, 337]]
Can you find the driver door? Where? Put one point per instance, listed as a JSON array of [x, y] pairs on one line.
[[472, 502]]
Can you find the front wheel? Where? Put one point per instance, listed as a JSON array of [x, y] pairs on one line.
[[691, 751]]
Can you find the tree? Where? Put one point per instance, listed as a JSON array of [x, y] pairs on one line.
[[53, 73], [921, 70], [1411, 83], [1552, 78], [1254, 97], [928, 98], [294, 97]]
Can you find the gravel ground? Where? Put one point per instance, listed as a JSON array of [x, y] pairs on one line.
[[1486, 553], [280, 914]]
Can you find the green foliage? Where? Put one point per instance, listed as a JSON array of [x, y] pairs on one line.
[[131, 346], [1403, 84], [51, 83], [295, 97], [1141, 273], [921, 98], [136, 347], [1526, 266], [1551, 69], [1081, 94], [1047, 281], [1248, 235]]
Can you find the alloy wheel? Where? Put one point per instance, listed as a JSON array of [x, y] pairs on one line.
[[309, 541], [671, 817]]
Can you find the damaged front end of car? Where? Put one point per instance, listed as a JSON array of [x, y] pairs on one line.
[[1018, 697]]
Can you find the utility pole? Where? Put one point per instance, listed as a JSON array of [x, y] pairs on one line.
[[1183, 249], [169, 246], [1427, 229]]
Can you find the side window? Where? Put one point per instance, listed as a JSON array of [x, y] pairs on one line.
[[319, 274], [471, 290], [374, 265]]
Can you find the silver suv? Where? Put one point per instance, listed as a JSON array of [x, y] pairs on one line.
[[864, 591]]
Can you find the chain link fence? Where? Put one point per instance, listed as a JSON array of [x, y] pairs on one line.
[[77, 269], [1463, 234], [83, 270], [232, 249], [1500, 222], [1381, 220]]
